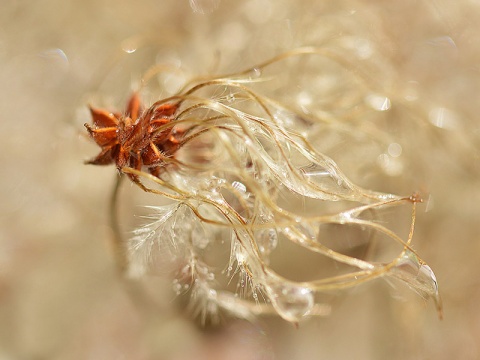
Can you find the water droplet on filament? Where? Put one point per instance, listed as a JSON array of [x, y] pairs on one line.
[[267, 240], [324, 179], [130, 45], [241, 254], [417, 275], [292, 302], [255, 73], [230, 98]]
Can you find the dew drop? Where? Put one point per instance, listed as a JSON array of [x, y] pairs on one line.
[[418, 275], [56, 56], [443, 41], [313, 171], [230, 98], [186, 272], [324, 178], [392, 166], [129, 50], [240, 254], [267, 240], [394, 150], [363, 48], [255, 73], [177, 287], [378, 102], [202, 270], [292, 302], [443, 118], [173, 82], [304, 99], [130, 45]]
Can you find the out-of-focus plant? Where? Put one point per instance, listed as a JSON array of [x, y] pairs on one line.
[[240, 173]]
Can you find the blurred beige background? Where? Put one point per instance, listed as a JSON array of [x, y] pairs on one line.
[[59, 294]]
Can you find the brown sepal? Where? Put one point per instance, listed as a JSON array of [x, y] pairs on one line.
[[103, 118]]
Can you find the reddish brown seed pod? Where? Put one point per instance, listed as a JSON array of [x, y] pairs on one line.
[[137, 138]]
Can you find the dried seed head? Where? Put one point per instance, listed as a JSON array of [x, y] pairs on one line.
[[245, 169]]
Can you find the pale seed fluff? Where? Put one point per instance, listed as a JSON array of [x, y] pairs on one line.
[[245, 183]]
